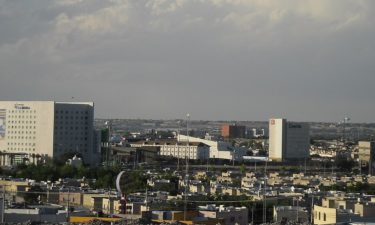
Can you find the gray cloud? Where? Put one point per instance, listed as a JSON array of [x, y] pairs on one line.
[[217, 59]]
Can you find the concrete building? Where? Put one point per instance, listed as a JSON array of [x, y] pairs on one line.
[[219, 149], [181, 149], [366, 155], [288, 140], [290, 213], [35, 130], [233, 131], [111, 205], [363, 214], [365, 209], [231, 215]]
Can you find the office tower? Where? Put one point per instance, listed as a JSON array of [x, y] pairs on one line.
[[288, 140], [233, 131], [30, 129]]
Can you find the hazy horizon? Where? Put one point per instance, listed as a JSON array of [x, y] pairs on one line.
[[243, 60]]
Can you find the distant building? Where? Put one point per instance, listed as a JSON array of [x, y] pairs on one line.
[[35, 130], [181, 149], [219, 149], [231, 215], [288, 140], [366, 155], [233, 131], [290, 213], [324, 215], [257, 133]]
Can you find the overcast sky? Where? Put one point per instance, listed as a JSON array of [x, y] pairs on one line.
[[310, 60]]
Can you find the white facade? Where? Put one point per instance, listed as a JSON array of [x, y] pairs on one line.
[[219, 150], [191, 150], [46, 129], [288, 140]]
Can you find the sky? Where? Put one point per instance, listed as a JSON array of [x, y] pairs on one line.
[[311, 60]]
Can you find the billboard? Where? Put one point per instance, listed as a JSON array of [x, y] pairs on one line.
[[2, 123]]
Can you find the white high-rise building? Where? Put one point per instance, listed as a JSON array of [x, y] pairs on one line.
[[46, 129], [288, 140]]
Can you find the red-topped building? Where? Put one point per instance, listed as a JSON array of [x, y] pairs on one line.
[[233, 131]]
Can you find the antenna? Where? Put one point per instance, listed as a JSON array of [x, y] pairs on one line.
[[178, 145]]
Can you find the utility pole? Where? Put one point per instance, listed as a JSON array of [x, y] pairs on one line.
[[208, 160], [178, 145], [3, 206], [312, 209], [234, 153], [47, 192], [187, 164], [264, 195], [146, 199], [252, 214], [297, 209], [68, 207], [109, 127], [109, 203]]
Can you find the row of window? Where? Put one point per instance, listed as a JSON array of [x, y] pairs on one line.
[[21, 121], [181, 152], [70, 133], [21, 144], [72, 112], [20, 149], [71, 128], [72, 117], [70, 150], [22, 117], [22, 111], [76, 147], [181, 148], [21, 132], [21, 137], [70, 138], [317, 216]]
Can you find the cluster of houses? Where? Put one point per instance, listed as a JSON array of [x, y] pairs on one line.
[[299, 192]]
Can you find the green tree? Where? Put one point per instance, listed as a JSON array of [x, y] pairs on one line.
[[67, 171]]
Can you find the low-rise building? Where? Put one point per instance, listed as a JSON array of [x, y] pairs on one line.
[[178, 149], [324, 215], [70, 198], [111, 205], [231, 215], [219, 149], [290, 213]]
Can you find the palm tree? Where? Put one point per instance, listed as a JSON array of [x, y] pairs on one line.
[[38, 158], [25, 159], [33, 156]]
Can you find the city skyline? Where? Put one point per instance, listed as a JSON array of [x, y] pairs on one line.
[[215, 59]]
